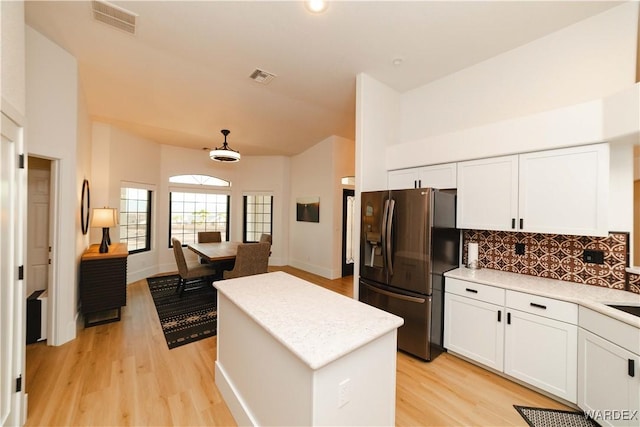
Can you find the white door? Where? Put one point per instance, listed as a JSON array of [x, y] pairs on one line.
[[38, 246], [12, 296]]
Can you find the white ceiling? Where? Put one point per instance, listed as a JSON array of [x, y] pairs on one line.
[[185, 75]]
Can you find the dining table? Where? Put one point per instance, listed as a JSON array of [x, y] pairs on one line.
[[221, 255], [215, 252]]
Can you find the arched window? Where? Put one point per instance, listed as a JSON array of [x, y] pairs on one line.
[[199, 180]]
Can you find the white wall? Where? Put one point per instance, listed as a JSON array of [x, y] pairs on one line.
[[310, 243], [343, 165], [117, 157], [560, 90], [264, 174], [377, 127], [83, 168], [12, 59], [591, 59], [52, 132]]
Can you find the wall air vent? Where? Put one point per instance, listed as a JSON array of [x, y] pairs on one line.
[[115, 16], [262, 76]]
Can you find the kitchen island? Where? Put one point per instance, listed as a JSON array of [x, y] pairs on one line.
[[293, 353]]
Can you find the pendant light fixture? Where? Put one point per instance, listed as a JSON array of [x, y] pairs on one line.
[[224, 153]]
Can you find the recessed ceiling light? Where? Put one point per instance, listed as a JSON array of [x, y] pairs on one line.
[[397, 61], [316, 6]]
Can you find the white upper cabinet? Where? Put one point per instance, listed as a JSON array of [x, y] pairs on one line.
[[488, 193], [562, 191], [436, 176], [565, 191]]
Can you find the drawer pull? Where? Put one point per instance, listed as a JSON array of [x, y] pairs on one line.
[[533, 304], [632, 368], [499, 315], [473, 291]]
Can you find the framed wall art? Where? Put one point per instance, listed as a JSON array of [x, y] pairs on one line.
[[308, 209]]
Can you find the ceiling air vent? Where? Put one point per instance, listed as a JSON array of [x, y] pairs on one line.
[[262, 76], [115, 16]]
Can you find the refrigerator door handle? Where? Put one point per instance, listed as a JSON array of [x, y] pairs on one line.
[[394, 295], [385, 213], [392, 205]]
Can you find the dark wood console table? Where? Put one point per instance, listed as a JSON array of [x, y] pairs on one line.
[[103, 283]]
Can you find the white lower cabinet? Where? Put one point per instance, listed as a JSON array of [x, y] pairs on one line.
[[531, 338], [542, 352], [608, 374], [474, 329]]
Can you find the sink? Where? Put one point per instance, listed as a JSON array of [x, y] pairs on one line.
[[632, 309]]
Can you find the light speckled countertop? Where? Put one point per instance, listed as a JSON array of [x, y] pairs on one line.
[[316, 324], [593, 297]]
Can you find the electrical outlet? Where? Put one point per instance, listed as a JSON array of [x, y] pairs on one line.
[[595, 257], [519, 248], [344, 392]]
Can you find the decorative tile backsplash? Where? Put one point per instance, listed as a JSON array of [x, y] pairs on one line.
[[633, 282], [556, 256]]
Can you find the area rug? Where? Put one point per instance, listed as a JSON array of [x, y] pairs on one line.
[[187, 318], [539, 417]]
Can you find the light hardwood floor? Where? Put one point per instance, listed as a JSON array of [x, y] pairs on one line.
[[122, 373]]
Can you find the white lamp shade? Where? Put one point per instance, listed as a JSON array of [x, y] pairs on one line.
[[103, 217]]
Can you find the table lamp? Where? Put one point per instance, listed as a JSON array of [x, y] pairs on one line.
[[104, 218]]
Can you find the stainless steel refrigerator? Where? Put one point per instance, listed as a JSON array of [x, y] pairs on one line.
[[408, 241]]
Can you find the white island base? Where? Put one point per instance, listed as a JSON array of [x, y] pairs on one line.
[[293, 353]]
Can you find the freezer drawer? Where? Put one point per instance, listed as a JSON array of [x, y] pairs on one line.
[[414, 336]]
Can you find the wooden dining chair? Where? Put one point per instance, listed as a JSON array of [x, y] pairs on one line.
[[251, 258], [266, 238], [190, 273], [209, 237]]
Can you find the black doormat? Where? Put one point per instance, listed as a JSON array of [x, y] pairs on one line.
[[539, 417], [187, 318]]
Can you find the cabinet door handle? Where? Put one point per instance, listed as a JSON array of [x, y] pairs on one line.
[[508, 318], [533, 304], [513, 223], [473, 291], [632, 368], [419, 183], [499, 315], [521, 223]]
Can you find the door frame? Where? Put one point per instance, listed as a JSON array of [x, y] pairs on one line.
[[15, 401], [347, 269], [51, 312]]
